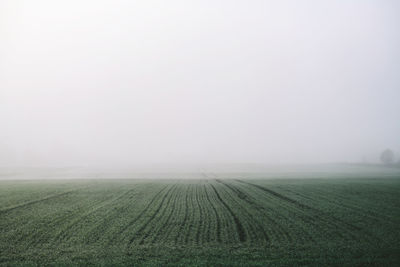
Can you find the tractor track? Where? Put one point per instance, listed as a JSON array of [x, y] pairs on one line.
[[239, 227]]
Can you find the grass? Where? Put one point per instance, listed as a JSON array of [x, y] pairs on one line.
[[211, 221]]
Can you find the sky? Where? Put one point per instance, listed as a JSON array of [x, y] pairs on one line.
[[118, 83]]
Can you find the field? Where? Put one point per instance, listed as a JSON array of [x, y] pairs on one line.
[[210, 221]]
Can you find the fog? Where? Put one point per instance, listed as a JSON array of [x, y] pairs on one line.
[[123, 83]]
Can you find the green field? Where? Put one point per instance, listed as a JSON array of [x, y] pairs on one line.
[[210, 221]]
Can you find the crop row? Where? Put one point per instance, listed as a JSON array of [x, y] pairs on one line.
[[190, 213]]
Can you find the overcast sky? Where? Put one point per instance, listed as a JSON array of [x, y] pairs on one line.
[[131, 82]]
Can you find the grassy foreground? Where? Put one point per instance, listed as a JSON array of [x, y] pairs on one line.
[[232, 222]]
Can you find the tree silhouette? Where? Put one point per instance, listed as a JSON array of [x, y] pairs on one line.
[[387, 157]]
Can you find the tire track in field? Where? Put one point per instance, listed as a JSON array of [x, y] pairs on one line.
[[63, 234], [99, 230], [298, 204], [37, 236], [218, 230], [152, 217], [278, 195], [352, 207], [305, 215], [329, 220], [251, 226], [137, 217], [277, 228], [341, 201], [30, 203], [239, 227], [29, 236], [239, 193], [242, 195]]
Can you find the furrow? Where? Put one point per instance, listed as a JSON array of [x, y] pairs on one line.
[[30, 203], [329, 220], [190, 218], [170, 210], [239, 227], [218, 219], [201, 219], [63, 234], [243, 196], [185, 218], [207, 234], [176, 218], [132, 222], [139, 233]]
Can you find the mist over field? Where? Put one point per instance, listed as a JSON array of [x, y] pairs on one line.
[[200, 133], [117, 84]]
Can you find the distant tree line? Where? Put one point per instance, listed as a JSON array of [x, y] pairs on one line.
[[388, 157]]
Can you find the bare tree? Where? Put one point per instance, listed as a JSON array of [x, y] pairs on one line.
[[387, 157]]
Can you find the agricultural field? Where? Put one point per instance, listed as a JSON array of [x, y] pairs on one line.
[[211, 221]]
